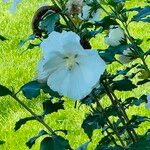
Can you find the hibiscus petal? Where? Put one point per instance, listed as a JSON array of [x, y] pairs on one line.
[[51, 44]]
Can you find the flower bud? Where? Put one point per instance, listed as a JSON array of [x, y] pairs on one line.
[[74, 6], [115, 36]]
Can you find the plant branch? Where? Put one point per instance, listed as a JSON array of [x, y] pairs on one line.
[[32, 113], [120, 112], [110, 124]]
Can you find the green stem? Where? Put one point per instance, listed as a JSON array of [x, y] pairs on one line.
[[135, 46], [120, 113], [110, 124], [124, 113], [32, 113]]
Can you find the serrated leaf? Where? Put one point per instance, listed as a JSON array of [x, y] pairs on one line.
[[126, 70], [83, 146], [50, 107], [136, 120], [23, 121], [32, 140], [2, 38], [106, 22], [134, 101], [142, 14], [54, 143], [123, 85], [4, 91], [92, 122]]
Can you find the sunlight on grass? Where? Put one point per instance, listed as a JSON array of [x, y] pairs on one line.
[[17, 69]]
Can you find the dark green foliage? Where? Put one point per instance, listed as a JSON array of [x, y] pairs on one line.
[[104, 144], [55, 143], [4, 91], [123, 85], [83, 146], [48, 22], [2, 142], [30, 38], [111, 110], [109, 54], [105, 23], [131, 101], [92, 122], [2, 38], [143, 143], [24, 121], [32, 140], [143, 15], [136, 120], [143, 81], [147, 53], [32, 90], [32, 46], [50, 107]]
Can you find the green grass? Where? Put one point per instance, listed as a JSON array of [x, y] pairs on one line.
[[17, 69]]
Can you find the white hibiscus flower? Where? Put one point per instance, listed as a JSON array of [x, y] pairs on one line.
[[148, 102], [67, 67], [90, 15], [115, 36]]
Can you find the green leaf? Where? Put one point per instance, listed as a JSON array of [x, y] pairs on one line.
[[54, 143], [46, 89], [114, 2], [143, 81], [147, 53], [2, 38], [4, 91], [31, 90], [142, 15], [48, 22], [143, 143], [92, 122], [123, 85], [104, 143], [50, 107], [136, 120], [134, 101], [2, 142], [108, 55], [32, 140], [22, 42], [106, 22], [83, 146], [23, 121], [31, 46], [111, 110]]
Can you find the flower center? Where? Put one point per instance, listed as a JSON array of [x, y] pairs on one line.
[[71, 61]]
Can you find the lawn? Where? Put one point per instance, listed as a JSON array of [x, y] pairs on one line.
[[17, 68]]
